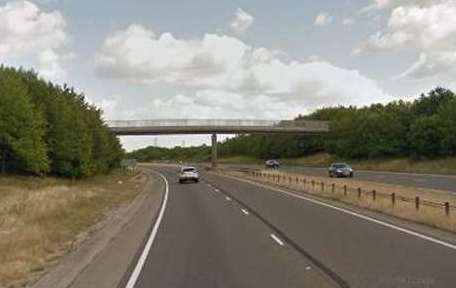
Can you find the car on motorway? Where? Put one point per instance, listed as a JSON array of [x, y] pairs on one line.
[[272, 164], [188, 174], [340, 170]]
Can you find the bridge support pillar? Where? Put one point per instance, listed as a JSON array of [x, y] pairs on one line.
[[214, 151]]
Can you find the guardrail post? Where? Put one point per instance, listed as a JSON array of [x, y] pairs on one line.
[[289, 180], [359, 192], [345, 190], [417, 203], [447, 208], [313, 184], [374, 195], [393, 198], [333, 187], [297, 180], [322, 186]]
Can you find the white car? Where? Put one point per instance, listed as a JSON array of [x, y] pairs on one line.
[[188, 174]]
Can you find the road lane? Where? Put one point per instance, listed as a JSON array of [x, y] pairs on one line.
[[363, 253], [439, 182], [207, 240]]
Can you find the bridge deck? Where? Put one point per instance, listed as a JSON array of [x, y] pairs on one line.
[[216, 126]]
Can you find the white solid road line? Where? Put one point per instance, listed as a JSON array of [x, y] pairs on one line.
[[142, 259], [367, 218], [276, 239], [379, 222], [228, 198], [245, 211]]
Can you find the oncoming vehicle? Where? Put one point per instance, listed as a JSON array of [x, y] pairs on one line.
[[340, 170], [273, 164], [188, 174]]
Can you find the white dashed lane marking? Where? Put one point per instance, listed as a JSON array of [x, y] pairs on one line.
[[276, 239]]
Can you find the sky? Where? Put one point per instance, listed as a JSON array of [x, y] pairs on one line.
[[257, 59]]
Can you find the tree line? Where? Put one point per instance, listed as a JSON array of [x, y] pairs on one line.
[[186, 154], [423, 128], [51, 129]]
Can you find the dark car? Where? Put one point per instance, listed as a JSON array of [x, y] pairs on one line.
[[340, 170], [272, 164]]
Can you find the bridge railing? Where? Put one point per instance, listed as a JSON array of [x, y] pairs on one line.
[[317, 125], [191, 122]]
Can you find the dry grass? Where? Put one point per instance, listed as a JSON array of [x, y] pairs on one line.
[[41, 219], [434, 216]]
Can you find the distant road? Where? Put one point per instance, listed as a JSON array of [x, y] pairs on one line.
[[223, 232], [439, 182]]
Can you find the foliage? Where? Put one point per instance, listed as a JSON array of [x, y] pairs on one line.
[[46, 128], [200, 153]]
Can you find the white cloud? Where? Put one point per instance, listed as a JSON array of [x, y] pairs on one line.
[[430, 29], [322, 19], [139, 55], [27, 32], [348, 21], [224, 77], [241, 22], [389, 4]]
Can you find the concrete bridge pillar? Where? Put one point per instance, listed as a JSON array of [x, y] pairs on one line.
[[214, 151]]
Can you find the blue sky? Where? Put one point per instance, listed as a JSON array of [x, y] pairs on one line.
[[232, 59]]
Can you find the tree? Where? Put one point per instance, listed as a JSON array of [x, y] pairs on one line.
[[22, 127], [49, 128], [426, 135]]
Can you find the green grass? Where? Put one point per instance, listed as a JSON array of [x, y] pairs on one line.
[[240, 160]]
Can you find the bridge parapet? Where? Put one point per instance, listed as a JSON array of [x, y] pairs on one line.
[[191, 122], [311, 125]]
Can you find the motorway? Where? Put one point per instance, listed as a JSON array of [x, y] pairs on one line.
[[223, 232], [438, 182]]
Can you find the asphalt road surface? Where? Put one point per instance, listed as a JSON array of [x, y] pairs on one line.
[[222, 232], [439, 182]]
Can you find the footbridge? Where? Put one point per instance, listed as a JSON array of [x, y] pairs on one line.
[[214, 127]]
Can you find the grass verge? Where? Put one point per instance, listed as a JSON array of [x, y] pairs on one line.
[[435, 166], [240, 160], [42, 218]]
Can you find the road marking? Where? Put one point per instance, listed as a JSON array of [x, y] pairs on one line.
[[142, 259], [379, 222], [367, 218], [216, 190], [227, 198], [276, 239], [245, 211]]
